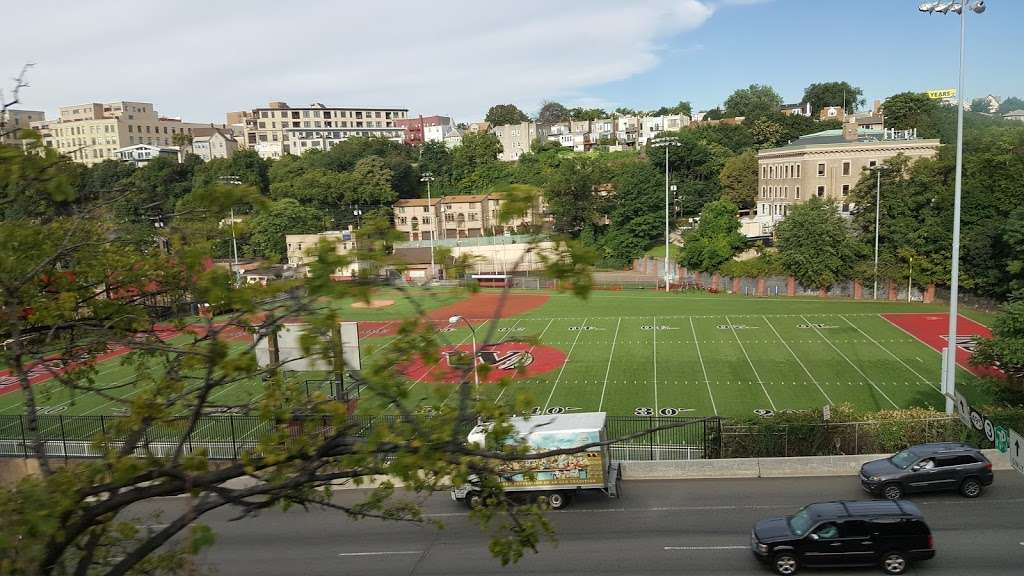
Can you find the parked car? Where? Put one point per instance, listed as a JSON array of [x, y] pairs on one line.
[[886, 533], [926, 468]]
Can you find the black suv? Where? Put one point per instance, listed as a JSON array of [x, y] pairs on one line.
[[886, 533], [928, 467]]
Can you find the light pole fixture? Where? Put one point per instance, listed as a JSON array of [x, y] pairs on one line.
[[476, 376], [358, 213], [428, 177], [878, 203], [949, 370], [666, 143]]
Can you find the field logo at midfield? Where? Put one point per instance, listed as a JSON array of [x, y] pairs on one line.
[[516, 360], [508, 360]]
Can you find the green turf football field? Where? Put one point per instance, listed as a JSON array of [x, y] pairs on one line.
[[644, 352]]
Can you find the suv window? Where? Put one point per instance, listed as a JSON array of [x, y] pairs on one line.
[[827, 531], [957, 460], [855, 529]]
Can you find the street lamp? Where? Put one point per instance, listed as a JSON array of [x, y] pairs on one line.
[[666, 143], [358, 213], [233, 181], [476, 376], [949, 369], [428, 177]]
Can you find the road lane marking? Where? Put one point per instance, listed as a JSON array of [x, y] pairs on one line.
[[400, 552], [706, 547]]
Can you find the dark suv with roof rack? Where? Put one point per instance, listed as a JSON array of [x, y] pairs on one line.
[[927, 468], [886, 533]]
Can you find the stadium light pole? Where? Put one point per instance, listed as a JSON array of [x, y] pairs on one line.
[[428, 177], [878, 202], [949, 382], [476, 376], [666, 143]]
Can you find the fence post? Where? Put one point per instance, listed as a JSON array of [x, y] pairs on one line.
[[24, 442], [650, 437], [785, 446], [103, 427], [63, 437], [856, 437], [234, 446]]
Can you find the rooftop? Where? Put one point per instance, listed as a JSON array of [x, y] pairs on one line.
[[864, 135], [417, 202], [462, 198]]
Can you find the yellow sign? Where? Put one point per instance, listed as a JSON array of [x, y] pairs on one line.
[[940, 94]]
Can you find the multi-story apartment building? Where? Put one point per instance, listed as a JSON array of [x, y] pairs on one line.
[[460, 216], [301, 250], [651, 126], [516, 139], [418, 218], [280, 129], [94, 132], [12, 122], [210, 143], [828, 165], [141, 154], [425, 129]]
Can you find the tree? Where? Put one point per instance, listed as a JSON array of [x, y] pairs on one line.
[[570, 196], [683, 107], [286, 216], [1005, 349], [1010, 104], [436, 158], [369, 183], [714, 114], [246, 165], [753, 102], [502, 114], [322, 190], [552, 113], [979, 105], [695, 166], [715, 240], [637, 216], [815, 245], [766, 133], [477, 153], [907, 110], [739, 179], [821, 95], [587, 113]]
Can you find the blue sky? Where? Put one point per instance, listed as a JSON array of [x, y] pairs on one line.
[[882, 46], [199, 59]]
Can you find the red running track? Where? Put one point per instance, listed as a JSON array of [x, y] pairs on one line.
[[932, 329]]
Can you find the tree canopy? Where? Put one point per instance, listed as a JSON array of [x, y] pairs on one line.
[[552, 113], [753, 102], [824, 94], [715, 240], [815, 245], [739, 179], [502, 114]]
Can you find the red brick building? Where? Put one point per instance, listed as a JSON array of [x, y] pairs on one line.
[[414, 127]]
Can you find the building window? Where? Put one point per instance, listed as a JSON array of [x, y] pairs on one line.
[[846, 168], [846, 207], [764, 192], [872, 163], [821, 191], [846, 189], [821, 168], [785, 192], [797, 170]]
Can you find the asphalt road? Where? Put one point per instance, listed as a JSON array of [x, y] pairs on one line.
[[658, 527]]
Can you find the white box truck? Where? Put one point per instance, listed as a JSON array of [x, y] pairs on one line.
[[556, 478]]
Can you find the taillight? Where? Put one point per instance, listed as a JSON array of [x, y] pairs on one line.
[[931, 541], [988, 466]]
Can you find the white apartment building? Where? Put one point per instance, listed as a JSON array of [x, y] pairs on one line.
[[210, 143], [14, 121], [516, 139], [94, 132], [280, 129], [140, 154], [301, 250], [651, 126]]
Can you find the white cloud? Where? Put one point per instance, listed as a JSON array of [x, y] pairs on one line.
[[199, 59]]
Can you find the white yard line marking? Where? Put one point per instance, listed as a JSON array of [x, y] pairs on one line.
[[542, 333], [579, 331], [889, 352], [848, 361], [700, 357], [749, 361], [795, 357], [400, 552], [654, 333], [608, 370]]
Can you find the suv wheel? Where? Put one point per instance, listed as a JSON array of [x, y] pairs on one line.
[[894, 563], [892, 491], [970, 488], [786, 563]]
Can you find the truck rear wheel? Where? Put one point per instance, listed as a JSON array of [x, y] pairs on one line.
[[553, 500], [474, 500]]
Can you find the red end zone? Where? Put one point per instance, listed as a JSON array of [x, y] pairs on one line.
[[507, 360], [932, 329]]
